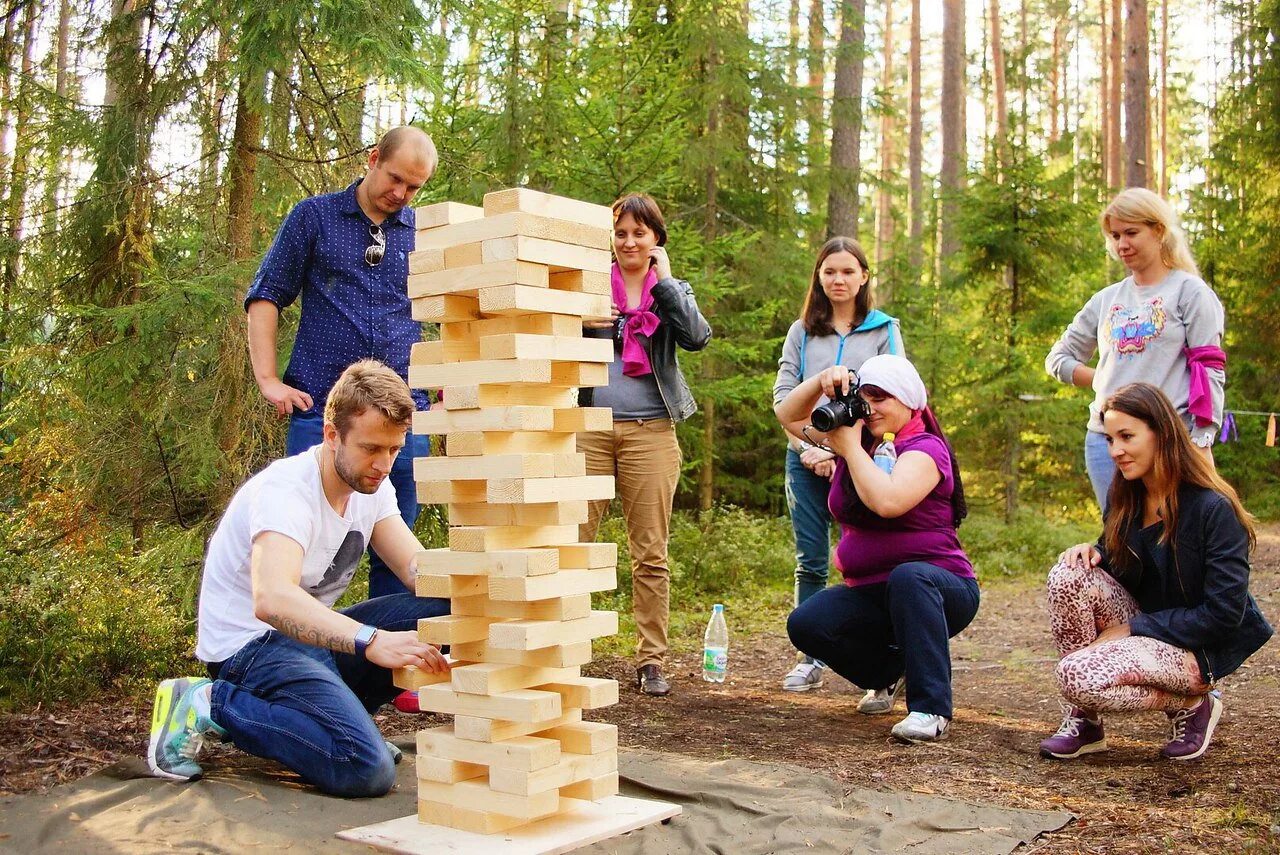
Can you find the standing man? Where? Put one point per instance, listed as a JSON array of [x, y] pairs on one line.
[[293, 680], [347, 255]]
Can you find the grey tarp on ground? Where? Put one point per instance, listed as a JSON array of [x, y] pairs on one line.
[[735, 806]]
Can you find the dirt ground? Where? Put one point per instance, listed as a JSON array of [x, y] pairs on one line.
[[1127, 800]]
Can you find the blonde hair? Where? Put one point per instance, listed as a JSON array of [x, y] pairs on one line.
[[1140, 205], [368, 384]]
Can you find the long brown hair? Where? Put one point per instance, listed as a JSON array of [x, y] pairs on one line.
[[1176, 462], [816, 312]]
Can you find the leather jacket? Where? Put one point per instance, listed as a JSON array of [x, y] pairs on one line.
[[680, 323]]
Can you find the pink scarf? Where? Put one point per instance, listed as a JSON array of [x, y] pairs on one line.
[[640, 320], [1200, 398]]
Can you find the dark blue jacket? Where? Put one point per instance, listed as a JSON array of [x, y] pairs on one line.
[[1202, 603]]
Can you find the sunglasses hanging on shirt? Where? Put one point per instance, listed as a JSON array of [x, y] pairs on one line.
[[374, 253]]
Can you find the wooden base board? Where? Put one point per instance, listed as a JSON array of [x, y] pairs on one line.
[[584, 824]]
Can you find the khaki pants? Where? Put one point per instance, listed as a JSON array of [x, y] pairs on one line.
[[644, 458]]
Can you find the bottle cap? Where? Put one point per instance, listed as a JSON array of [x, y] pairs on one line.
[[718, 607], [889, 435]]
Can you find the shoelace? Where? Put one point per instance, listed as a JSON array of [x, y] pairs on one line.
[[1070, 723], [1179, 722], [192, 742]]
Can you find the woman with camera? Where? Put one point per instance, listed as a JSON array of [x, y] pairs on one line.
[[837, 326], [653, 312], [1159, 609], [1161, 324], [908, 585]]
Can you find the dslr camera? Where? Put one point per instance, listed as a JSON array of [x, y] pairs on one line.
[[841, 410]]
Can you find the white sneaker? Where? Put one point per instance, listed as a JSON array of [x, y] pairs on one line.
[[880, 701], [922, 727], [803, 677]]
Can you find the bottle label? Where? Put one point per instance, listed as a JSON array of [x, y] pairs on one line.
[[715, 659]]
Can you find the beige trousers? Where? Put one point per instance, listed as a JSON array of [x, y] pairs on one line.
[[644, 458]]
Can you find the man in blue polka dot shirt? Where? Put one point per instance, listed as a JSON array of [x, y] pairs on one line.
[[346, 254]]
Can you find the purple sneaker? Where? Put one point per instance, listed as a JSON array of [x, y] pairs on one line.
[[1192, 729], [1076, 735]]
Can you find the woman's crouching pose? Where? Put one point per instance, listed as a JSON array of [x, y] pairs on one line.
[[909, 587], [1159, 609]]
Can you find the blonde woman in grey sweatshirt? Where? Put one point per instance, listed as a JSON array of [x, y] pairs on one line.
[[1160, 324]]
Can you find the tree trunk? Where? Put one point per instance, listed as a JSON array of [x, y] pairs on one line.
[[16, 207], [816, 136], [1164, 98], [242, 168], [1104, 95], [55, 157], [1115, 152], [1002, 101], [1055, 81], [888, 156], [915, 153], [953, 129], [846, 121], [793, 44], [1137, 81]]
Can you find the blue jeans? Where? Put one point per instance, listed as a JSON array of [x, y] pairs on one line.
[[874, 634], [309, 708], [307, 429], [811, 525], [1098, 463]]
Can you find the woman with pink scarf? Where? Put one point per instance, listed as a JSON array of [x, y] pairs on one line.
[[1161, 324], [653, 314]]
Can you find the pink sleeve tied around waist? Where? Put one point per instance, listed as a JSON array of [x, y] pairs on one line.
[[1200, 398]]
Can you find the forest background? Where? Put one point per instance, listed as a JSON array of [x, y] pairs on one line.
[[150, 149]]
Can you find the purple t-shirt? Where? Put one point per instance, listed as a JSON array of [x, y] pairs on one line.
[[871, 546]]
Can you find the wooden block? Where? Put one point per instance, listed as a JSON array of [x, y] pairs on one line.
[[587, 556], [446, 492], [524, 491], [558, 656], [427, 261], [572, 465], [516, 224], [587, 693], [583, 419], [505, 371], [476, 396], [555, 348], [563, 325], [428, 585], [494, 678], [477, 796], [466, 280], [521, 705], [557, 513], [533, 634], [583, 281], [490, 538], [570, 769], [445, 309], [488, 370], [512, 418], [466, 255], [554, 254], [474, 821], [440, 352], [579, 374], [439, 214], [473, 444], [443, 771], [584, 737], [523, 300], [453, 629], [593, 789], [547, 205], [481, 729], [506, 564], [563, 584], [523, 753], [410, 678], [555, 608], [486, 468]]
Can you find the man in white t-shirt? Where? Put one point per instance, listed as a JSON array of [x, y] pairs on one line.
[[293, 679]]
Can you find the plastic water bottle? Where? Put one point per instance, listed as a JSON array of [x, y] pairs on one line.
[[886, 454], [715, 650]]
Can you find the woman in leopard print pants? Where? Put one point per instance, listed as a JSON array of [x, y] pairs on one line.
[[1159, 609]]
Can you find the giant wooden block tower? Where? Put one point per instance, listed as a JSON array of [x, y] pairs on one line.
[[510, 285]]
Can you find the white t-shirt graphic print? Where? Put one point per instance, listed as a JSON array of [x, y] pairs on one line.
[[287, 497]]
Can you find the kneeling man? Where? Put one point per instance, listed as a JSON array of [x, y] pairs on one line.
[[293, 680]]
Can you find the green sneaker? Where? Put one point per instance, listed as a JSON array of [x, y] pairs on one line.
[[178, 730]]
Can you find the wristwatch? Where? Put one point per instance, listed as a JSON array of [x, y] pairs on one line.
[[364, 637]]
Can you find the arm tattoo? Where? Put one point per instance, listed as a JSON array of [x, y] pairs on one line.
[[311, 635]]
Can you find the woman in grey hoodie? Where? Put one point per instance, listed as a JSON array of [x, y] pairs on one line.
[[1160, 324], [837, 326]]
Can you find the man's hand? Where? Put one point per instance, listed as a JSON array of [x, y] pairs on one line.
[[284, 398], [400, 649]]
